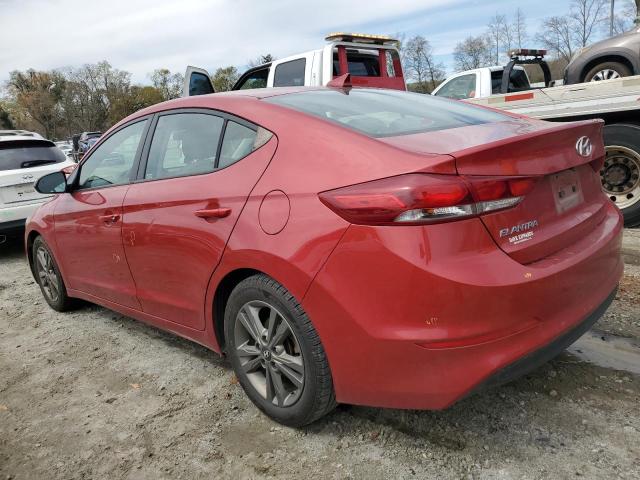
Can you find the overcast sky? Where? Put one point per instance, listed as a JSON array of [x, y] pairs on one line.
[[142, 35]]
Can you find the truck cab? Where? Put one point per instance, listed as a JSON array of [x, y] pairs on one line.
[[482, 82], [486, 81], [371, 61]]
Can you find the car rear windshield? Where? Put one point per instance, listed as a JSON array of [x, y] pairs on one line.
[[386, 113], [28, 153]]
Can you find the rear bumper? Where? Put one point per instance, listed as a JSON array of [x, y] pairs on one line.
[[420, 318], [13, 227], [533, 360]]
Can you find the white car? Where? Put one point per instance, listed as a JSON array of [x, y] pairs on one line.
[[23, 160]]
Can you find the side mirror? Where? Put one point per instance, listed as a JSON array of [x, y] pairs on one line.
[[55, 182]]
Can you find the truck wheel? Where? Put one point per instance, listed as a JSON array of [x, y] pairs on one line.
[[607, 71], [620, 175]]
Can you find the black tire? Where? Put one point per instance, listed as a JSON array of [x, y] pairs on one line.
[[626, 136], [60, 302], [620, 68], [316, 397]]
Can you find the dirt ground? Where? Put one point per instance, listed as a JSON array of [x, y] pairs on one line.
[[93, 394]]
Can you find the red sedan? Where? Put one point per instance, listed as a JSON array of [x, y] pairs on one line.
[[348, 245]]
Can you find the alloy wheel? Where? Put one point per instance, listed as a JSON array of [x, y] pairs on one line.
[[620, 176], [606, 74], [47, 274], [269, 353]]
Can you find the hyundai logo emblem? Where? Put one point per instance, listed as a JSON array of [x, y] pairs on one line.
[[27, 176], [584, 147]]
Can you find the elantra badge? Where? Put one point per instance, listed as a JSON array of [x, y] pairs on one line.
[[584, 147], [519, 233]]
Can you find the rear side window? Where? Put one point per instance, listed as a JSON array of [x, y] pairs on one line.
[[518, 81], [290, 74], [459, 88], [239, 141], [386, 113], [199, 84], [184, 144], [16, 154]]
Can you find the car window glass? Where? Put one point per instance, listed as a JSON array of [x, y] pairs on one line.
[[199, 84], [518, 81], [460, 87], [111, 162], [290, 74], [239, 141], [362, 63], [257, 79], [184, 144], [16, 154], [384, 113]]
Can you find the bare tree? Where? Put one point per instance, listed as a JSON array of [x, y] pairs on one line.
[[472, 52], [519, 28], [495, 35], [625, 19], [420, 64], [557, 37], [585, 17]]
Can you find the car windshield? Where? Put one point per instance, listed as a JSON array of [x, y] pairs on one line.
[[386, 113], [26, 153]]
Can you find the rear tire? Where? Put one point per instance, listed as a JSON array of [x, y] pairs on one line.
[[49, 277], [620, 175], [276, 353], [607, 71]]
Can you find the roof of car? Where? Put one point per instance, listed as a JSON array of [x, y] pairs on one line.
[[25, 138]]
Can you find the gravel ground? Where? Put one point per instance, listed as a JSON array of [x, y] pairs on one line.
[[93, 394]]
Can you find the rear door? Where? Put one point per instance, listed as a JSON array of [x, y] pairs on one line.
[[197, 81], [88, 221], [201, 166]]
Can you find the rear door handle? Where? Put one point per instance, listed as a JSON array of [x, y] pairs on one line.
[[213, 213], [110, 219]]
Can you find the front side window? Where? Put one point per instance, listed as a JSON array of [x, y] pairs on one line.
[[256, 79], [290, 74], [184, 144], [386, 113], [111, 162], [459, 88]]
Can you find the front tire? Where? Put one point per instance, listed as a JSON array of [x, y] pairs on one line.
[[276, 353], [607, 71], [49, 277], [620, 175]]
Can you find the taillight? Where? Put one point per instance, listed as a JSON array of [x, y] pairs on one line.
[[425, 198]]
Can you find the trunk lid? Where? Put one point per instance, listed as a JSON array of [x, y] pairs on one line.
[[566, 202]]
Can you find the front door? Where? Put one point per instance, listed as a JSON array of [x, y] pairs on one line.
[[179, 215], [88, 221]]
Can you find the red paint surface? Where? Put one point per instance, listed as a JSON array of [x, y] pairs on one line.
[[410, 316]]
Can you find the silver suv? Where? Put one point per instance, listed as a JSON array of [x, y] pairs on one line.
[[614, 57]]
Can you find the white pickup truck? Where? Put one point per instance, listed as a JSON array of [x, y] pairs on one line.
[[617, 102], [371, 61]]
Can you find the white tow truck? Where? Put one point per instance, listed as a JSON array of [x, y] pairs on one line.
[[617, 102], [371, 61]]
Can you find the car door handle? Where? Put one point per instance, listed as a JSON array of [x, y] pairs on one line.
[[110, 219], [213, 213]]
